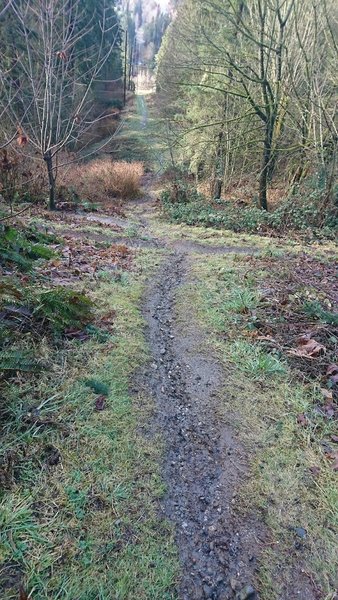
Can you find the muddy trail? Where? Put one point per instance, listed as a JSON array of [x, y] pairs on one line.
[[204, 463]]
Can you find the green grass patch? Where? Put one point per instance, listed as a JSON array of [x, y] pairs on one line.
[[143, 136], [291, 483], [81, 484]]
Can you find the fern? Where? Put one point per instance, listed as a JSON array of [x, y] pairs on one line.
[[13, 256], [16, 248], [17, 360], [63, 308], [9, 293], [314, 309], [37, 251], [40, 237]]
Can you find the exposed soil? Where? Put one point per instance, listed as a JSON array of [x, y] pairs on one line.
[[204, 462]]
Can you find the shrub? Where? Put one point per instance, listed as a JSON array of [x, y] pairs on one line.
[[303, 211], [63, 308], [306, 210], [199, 212], [22, 177], [101, 179], [19, 247]]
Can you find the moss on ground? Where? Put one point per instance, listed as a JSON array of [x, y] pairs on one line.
[[79, 506], [291, 480]]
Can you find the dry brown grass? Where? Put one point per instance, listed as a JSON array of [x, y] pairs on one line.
[[101, 179], [23, 176]]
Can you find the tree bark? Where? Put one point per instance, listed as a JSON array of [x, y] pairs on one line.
[[125, 67], [266, 160], [51, 178]]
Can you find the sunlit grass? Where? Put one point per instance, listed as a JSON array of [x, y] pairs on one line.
[[88, 527], [261, 402]]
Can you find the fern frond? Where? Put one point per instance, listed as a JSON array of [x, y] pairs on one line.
[[16, 360]]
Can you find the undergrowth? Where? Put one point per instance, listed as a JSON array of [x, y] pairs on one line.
[[284, 423], [99, 180], [303, 212], [80, 483]]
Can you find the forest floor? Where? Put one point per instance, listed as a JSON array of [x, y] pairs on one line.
[[208, 468]]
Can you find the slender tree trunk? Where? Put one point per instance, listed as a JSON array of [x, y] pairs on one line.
[[131, 61], [51, 178], [219, 172], [125, 67], [266, 160], [219, 162]]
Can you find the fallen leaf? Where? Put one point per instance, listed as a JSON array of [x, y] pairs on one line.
[[334, 438], [332, 370], [77, 334], [302, 420], [315, 471], [327, 394], [307, 348], [266, 338], [100, 403], [329, 410], [334, 379], [333, 456]]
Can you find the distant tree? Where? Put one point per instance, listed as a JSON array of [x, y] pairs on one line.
[[251, 85], [53, 54]]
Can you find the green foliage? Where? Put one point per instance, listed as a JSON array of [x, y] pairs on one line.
[[200, 212], [19, 247], [306, 209], [98, 387], [18, 360], [314, 309], [9, 293], [63, 308], [184, 204], [58, 309]]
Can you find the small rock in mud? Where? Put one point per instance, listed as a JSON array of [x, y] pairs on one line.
[[207, 591], [300, 532], [247, 593], [234, 584]]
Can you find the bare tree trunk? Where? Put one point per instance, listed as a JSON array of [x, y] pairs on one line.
[[266, 160], [51, 179], [131, 62], [125, 79], [218, 178]]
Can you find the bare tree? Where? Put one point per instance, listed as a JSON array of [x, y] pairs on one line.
[[47, 94], [6, 7]]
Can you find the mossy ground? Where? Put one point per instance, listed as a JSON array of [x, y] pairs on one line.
[[79, 511], [291, 481]]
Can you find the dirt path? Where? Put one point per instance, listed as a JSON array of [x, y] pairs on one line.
[[204, 463]]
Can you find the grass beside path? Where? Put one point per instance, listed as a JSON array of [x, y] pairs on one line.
[[79, 509], [278, 410]]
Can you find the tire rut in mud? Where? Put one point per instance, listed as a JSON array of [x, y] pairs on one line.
[[204, 461]]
